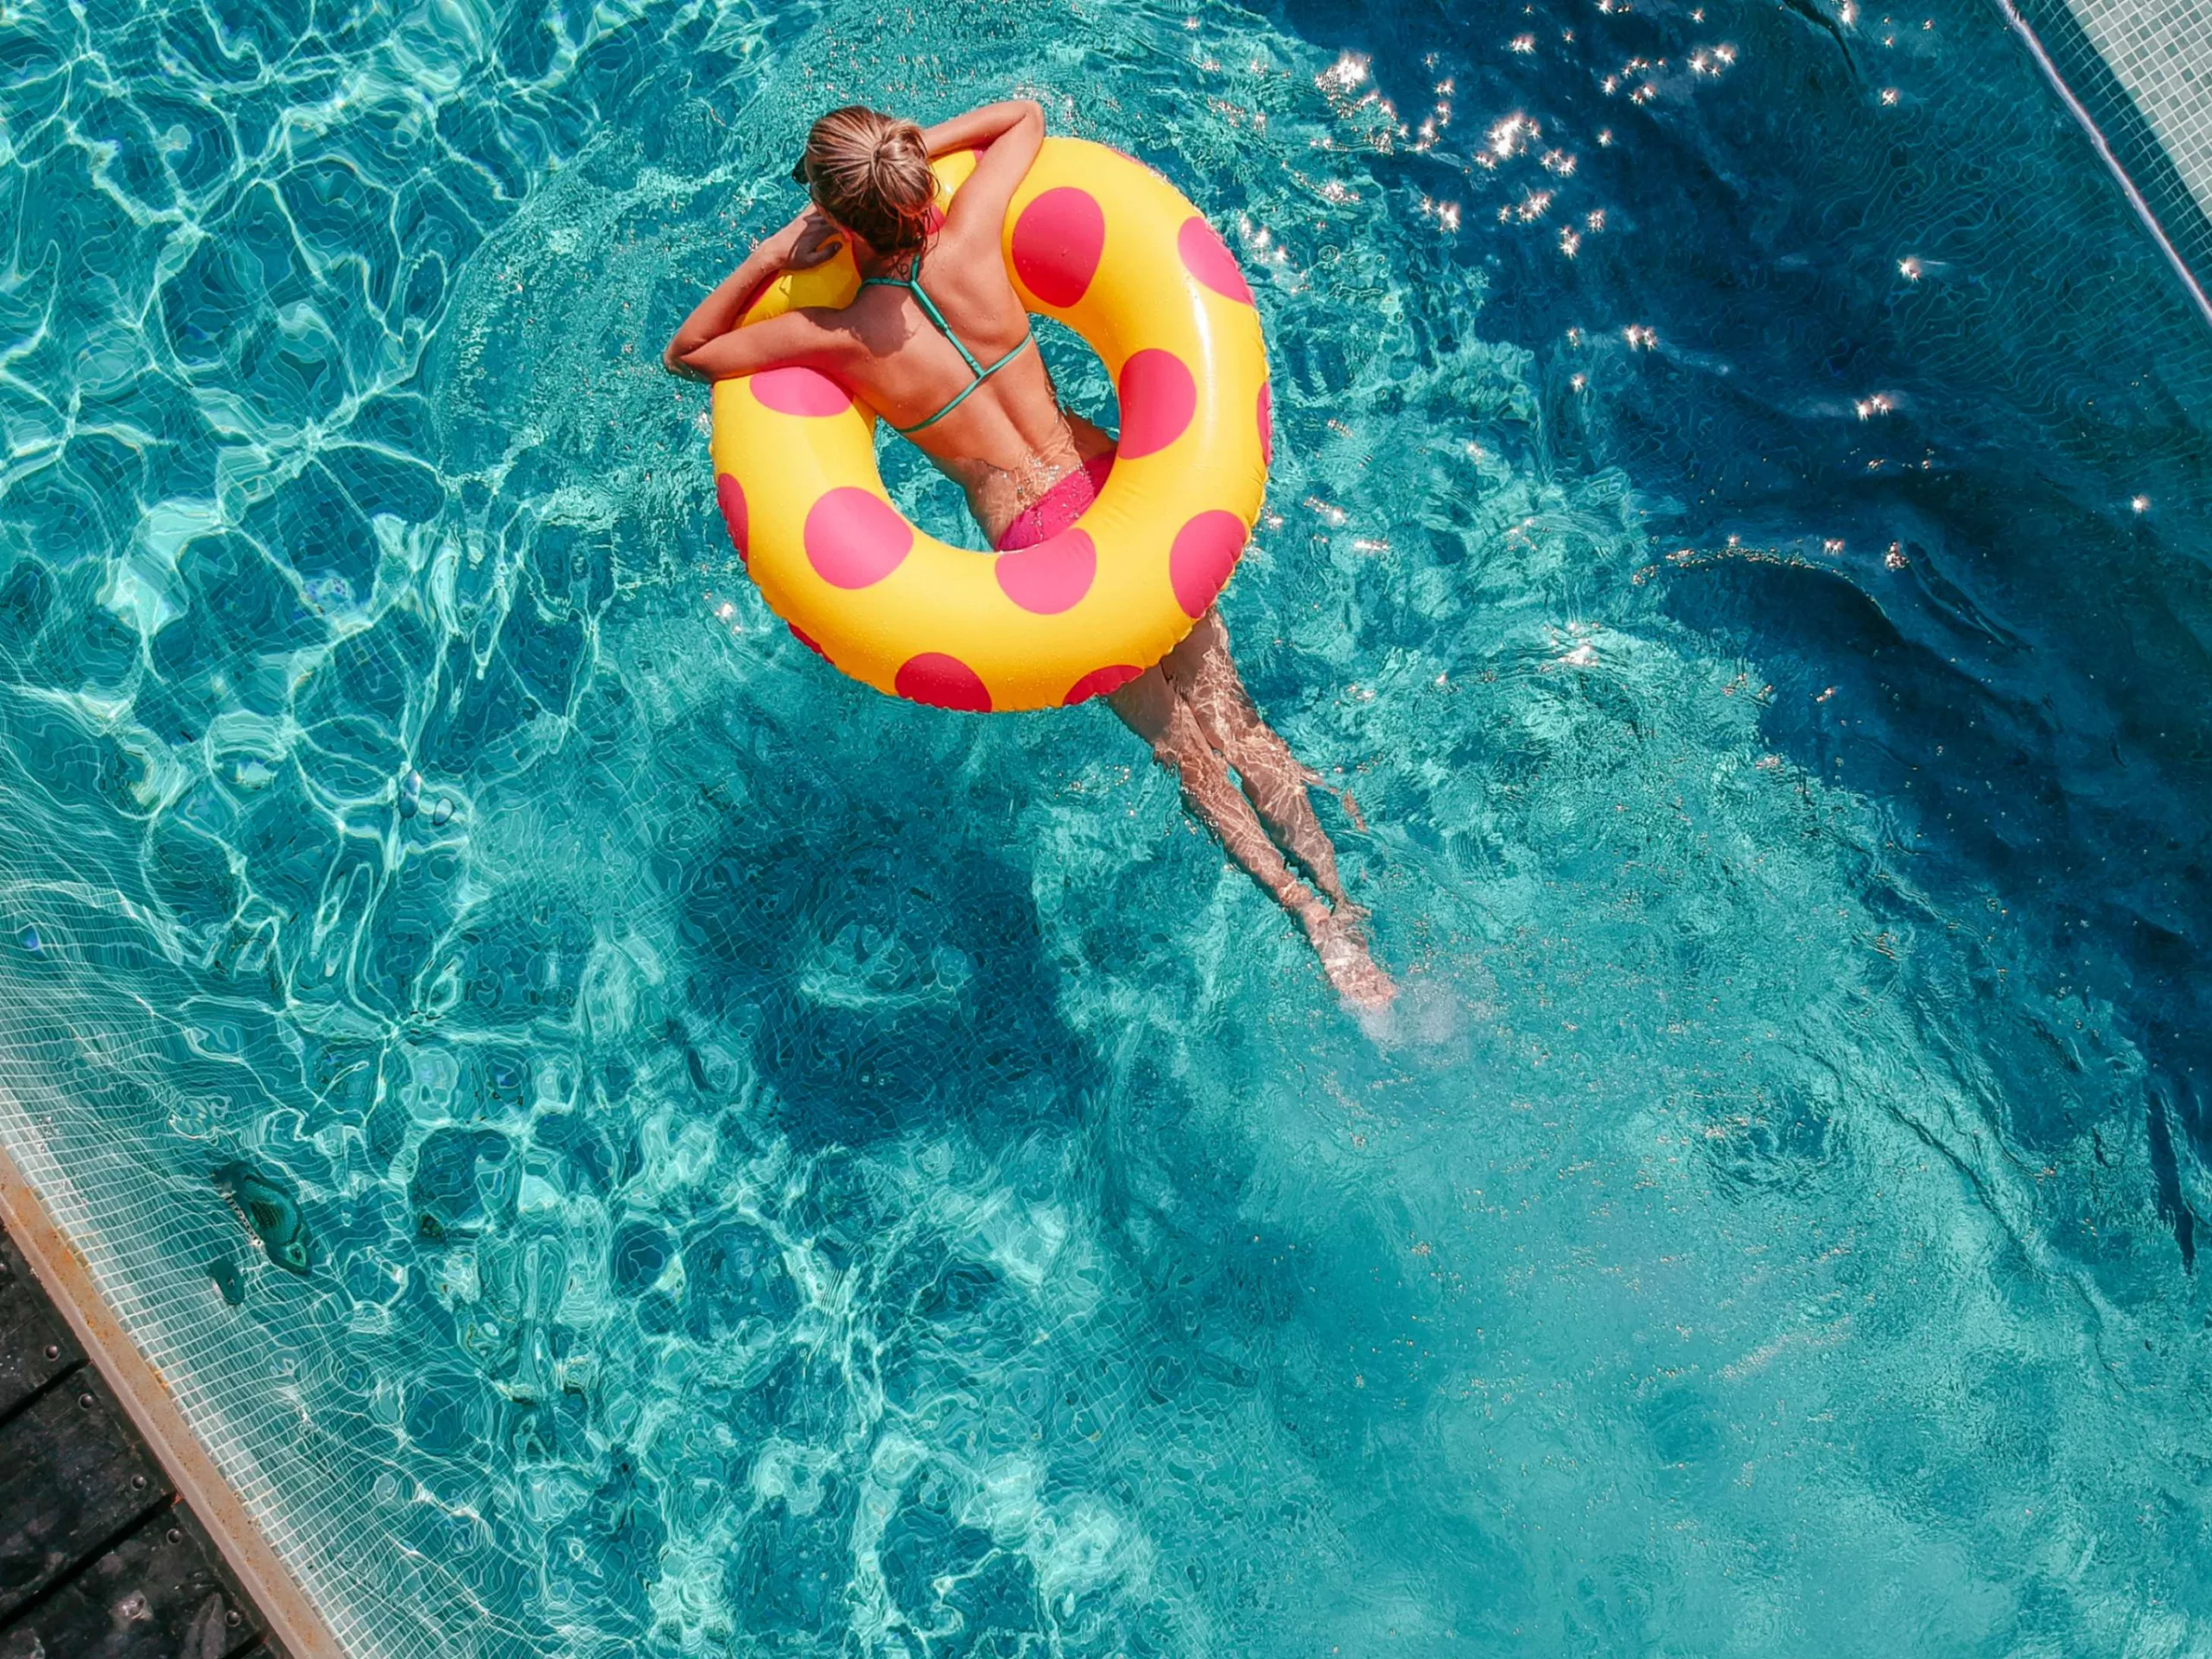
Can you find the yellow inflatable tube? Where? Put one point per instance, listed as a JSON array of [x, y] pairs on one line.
[[1114, 251]]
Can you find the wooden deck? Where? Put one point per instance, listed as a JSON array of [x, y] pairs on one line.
[[99, 1558]]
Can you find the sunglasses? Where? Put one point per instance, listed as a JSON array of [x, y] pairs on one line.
[[799, 172]]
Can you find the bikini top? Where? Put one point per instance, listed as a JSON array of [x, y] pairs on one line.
[[912, 284]]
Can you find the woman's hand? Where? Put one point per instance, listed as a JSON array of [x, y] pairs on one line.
[[672, 360], [817, 241], [808, 240]]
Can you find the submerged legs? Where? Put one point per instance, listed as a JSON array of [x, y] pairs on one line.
[[1194, 712], [1274, 779]]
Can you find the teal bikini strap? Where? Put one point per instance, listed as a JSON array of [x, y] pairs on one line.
[[969, 390], [912, 284]]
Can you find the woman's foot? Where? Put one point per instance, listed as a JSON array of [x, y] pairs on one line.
[[1337, 941]]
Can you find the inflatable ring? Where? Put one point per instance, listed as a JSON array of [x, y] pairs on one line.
[[1110, 248]]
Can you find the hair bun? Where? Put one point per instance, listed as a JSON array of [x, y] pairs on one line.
[[872, 172]]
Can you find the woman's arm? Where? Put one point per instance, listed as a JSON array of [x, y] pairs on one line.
[[799, 244], [1015, 133], [809, 337], [979, 127]]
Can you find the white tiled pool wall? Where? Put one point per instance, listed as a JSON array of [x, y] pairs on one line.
[[2143, 68], [145, 1245], [2163, 55]]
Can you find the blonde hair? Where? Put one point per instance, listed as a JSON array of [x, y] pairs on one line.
[[870, 172]]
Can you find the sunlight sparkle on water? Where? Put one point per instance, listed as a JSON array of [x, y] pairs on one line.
[[1346, 73], [1511, 136]]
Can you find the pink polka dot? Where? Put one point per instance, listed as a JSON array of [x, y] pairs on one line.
[[731, 496], [1159, 396], [1205, 551], [807, 640], [854, 539], [797, 391], [942, 682], [1052, 576], [1099, 682], [1056, 243], [1266, 425], [1208, 258]]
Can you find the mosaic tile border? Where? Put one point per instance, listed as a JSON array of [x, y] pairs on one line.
[[66, 1279], [2172, 191], [300, 1530]]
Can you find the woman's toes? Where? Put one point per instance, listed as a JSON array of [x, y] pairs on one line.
[[1345, 960]]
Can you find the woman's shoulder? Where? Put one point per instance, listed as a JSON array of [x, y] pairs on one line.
[[969, 258]]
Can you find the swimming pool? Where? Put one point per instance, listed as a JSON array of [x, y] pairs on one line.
[[788, 1171]]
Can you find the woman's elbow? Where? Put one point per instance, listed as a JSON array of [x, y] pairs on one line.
[[676, 360]]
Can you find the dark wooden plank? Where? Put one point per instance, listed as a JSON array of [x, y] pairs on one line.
[[98, 1556], [160, 1593], [72, 1476], [35, 1346]]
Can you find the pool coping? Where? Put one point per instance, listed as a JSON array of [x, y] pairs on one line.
[[68, 1280]]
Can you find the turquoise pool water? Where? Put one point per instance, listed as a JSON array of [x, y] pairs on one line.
[[783, 1172]]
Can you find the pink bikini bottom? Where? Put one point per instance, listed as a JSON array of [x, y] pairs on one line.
[[1061, 506]]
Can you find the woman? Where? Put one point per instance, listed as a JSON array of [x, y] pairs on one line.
[[953, 367]]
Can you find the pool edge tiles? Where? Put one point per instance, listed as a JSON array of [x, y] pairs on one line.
[[2161, 51], [51, 1221], [2137, 75]]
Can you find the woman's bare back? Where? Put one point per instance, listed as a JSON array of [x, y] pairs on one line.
[[1009, 441]]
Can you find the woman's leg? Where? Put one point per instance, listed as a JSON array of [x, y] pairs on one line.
[[1205, 677], [1150, 708]]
